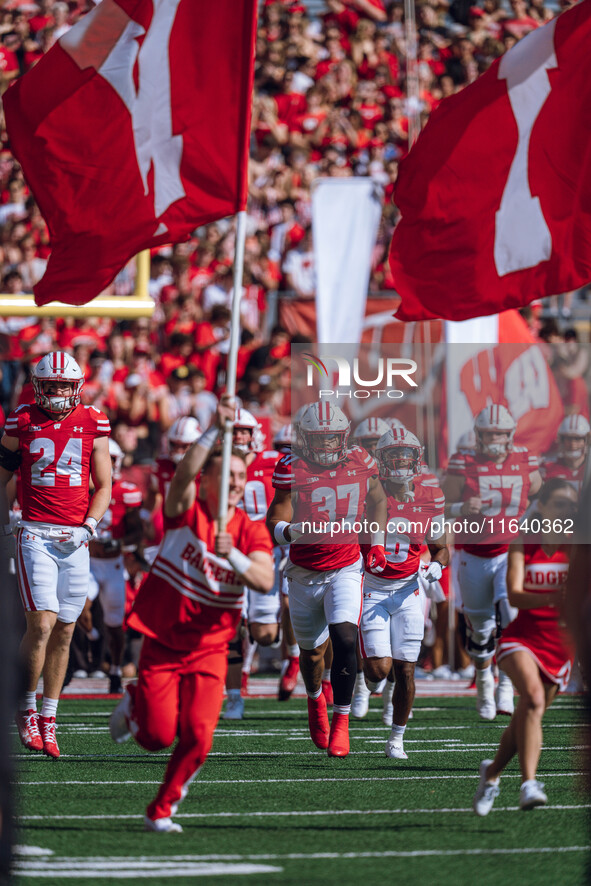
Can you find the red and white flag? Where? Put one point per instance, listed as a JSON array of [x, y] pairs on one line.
[[496, 194], [132, 131]]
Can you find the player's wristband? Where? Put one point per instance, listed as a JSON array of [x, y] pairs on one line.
[[90, 523], [208, 439], [239, 562], [378, 538], [455, 510], [279, 533]]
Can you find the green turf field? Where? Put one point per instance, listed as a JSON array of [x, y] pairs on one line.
[[270, 808]]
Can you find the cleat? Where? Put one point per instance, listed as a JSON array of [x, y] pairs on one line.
[[98, 674], [485, 695], [388, 704], [28, 729], [244, 683], [338, 742], [119, 719], [487, 791], [115, 685], [467, 673], [79, 675], [47, 728], [360, 702], [395, 748], [289, 678], [318, 721], [531, 795], [327, 692], [162, 825], [234, 708], [443, 672], [504, 695]]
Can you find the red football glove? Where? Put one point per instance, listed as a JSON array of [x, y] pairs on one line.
[[376, 558]]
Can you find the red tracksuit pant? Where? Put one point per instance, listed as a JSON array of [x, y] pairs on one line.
[[178, 694]]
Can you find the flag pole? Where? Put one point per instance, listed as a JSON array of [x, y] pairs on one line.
[[232, 365]]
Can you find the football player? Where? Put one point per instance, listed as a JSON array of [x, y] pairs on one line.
[[58, 445], [573, 444], [490, 485], [369, 432], [120, 531], [262, 612], [392, 620], [327, 483], [188, 609]]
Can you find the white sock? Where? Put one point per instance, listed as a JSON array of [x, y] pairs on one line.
[[371, 685], [293, 651], [397, 731], [29, 702], [314, 695], [341, 709], [326, 675], [49, 707], [484, 675], [233, 693]]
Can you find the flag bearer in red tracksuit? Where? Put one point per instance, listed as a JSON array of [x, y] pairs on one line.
[[188, 610]]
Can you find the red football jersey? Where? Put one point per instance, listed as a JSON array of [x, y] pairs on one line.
[[552, 467], [537, 629], [258, 493], [123, 497], [190, 591], [409, 525], [55, 467], [503, 489], [321, 494]]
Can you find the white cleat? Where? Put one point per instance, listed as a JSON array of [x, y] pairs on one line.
[[443, 672], [162, 825], [466, 673], [504, 695], [531, 795], [234, 708], [487, 792], [119, 719], [395, 748], [360, 702], [485, 695]]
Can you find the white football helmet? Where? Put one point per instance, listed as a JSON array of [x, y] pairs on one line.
[[245, 419], [57, 366], [184, 431], [394, 423], [295, 424], [494, 418], [369, 432], [116, 454], [324, 430], [467, 442], [283, 439], [399, 455], [573, 428]]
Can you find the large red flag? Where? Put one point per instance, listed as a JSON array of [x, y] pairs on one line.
[[132, 131], [496, 194]]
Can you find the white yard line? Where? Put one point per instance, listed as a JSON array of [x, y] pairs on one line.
[[295, 814]]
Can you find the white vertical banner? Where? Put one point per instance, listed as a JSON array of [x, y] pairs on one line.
[[473, 335], [346, 214]]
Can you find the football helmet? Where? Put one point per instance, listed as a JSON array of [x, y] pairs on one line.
[[394, 423], [494, 419], [573, 427], [245, 419], [181, 434], [369, 432], [467, 442], [283, 439], [296, 441], [116, 454], [399, 454], [57, 366], [324, 430]]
